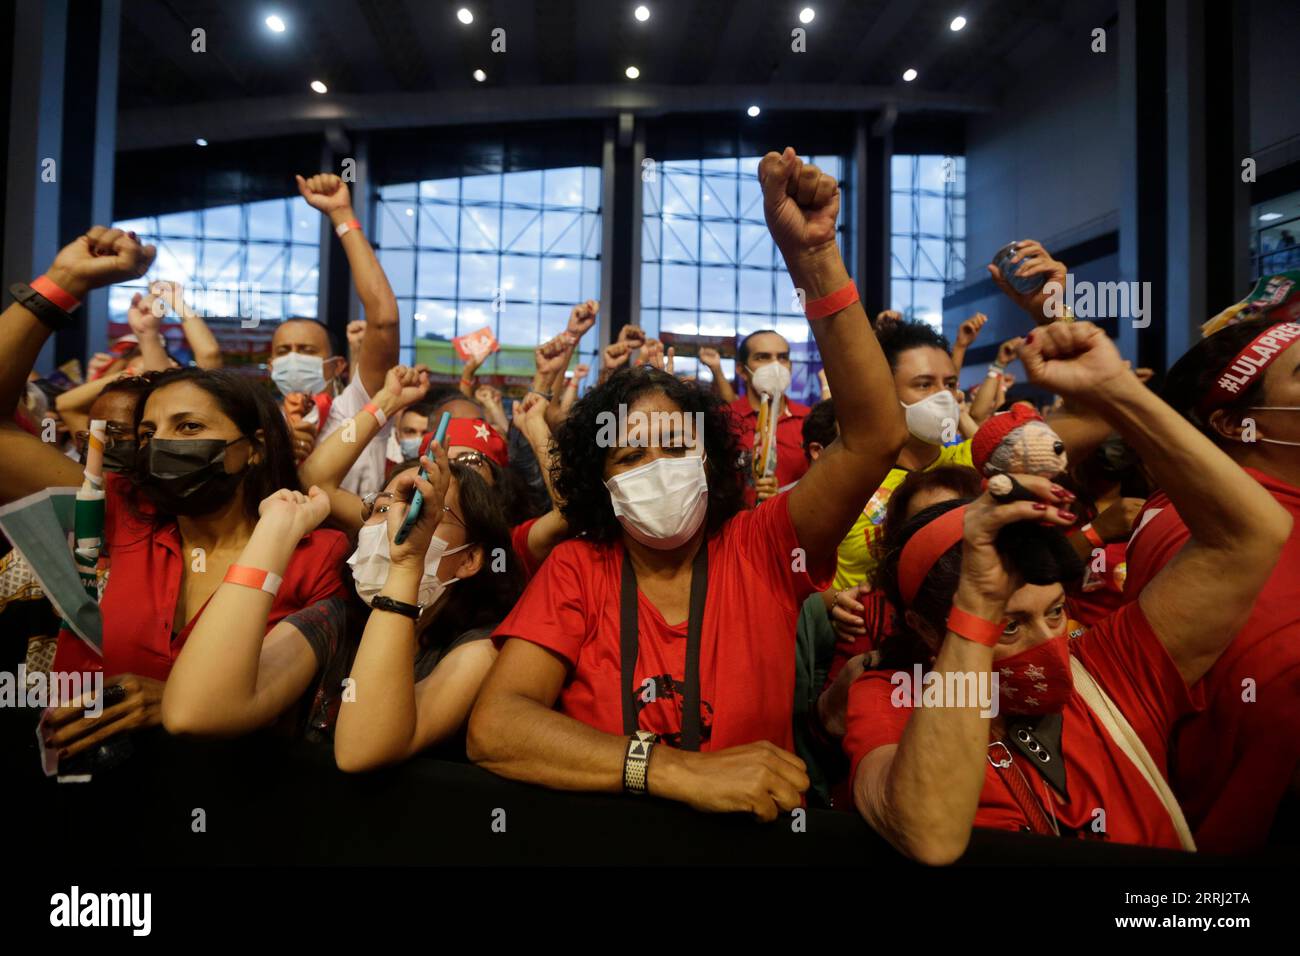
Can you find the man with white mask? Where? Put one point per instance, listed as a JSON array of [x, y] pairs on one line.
[[304, 363], [763, 359]]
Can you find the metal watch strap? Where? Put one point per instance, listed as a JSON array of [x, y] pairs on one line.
[[45, 310], [637, 759], [384, 603]]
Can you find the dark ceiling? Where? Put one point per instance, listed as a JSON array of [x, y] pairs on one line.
[[362, 47]]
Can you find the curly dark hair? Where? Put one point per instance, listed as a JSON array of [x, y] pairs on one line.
[[578, 470], [895, 338], [1038, 555], [1192, 377]]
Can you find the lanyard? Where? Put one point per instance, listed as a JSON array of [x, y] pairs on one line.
[[630, 647], [1028, 801]]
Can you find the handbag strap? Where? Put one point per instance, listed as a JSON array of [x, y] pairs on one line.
[[630, 649], [1126, 738], [1015, 781]]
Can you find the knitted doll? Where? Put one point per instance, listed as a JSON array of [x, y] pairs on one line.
[[1018, 441]]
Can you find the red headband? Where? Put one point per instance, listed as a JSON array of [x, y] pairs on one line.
[[926, 547], [1250, 364]]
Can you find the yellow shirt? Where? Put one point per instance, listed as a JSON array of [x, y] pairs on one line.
[[857, 557]]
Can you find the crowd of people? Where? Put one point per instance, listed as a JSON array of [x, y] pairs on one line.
[[664, 587]]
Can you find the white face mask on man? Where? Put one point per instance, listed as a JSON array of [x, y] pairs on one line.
[[770, 379], [295, 372], [370, 564], [932, 417], [662, 503]]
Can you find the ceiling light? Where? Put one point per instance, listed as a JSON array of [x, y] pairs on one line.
[[410, 211], [909, 75], [957, 24], [806, 15], [464, 16], [274, 24], [1270, 216], [632, 72], [480, 75], [753, 111], [319, 87], [642, 13], [203, 142]]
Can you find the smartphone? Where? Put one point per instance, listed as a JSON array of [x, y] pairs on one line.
[[417, 499], [1022, 284]]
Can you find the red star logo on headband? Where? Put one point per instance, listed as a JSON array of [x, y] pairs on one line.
[[481, 431]]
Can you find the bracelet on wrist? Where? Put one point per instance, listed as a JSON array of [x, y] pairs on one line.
[[545, 395], [972, 627]]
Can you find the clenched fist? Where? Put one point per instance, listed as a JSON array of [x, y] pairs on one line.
[[325, 192], [101, 257], [800, 203]]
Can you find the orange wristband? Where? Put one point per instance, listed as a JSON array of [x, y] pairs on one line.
[[1093, 538], [378, 412], [343, 228], [253, 578], [830, 304], [56, 294], [973, 628]]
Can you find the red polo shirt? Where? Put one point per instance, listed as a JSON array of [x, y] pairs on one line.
[[1231, 765], [747, 644], [1126, 658], [790, 460], [144, 582], [1101, 591]]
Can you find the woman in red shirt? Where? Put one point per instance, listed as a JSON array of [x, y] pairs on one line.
[[671, 613], [1074, 739], [1235, 761], [211, 446]]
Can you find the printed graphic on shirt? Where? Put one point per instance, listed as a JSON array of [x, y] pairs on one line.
[[875, 510], [659, 710]]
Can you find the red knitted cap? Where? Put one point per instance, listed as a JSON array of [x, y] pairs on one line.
[[996, 428]]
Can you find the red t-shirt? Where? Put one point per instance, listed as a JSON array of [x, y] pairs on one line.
[[1231, 764], [1126, 658], [791, 463], [1101, 591], [519, 542], [144, 582], [747, 643]]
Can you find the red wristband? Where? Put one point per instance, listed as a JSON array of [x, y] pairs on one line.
[[63, 299], [343, 228], [253, 578], [973, 628], [1093, 538], [830, 304], [378, 412]]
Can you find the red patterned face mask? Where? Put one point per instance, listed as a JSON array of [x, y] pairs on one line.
[[1036, 681]]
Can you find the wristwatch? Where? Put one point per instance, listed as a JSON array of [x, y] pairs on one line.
[[41, 307], [637, 760], [382, 602]]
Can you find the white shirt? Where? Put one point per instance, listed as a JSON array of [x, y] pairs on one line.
[[367, 474]]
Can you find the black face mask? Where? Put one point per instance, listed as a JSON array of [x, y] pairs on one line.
[[119, 457], [187, 476]]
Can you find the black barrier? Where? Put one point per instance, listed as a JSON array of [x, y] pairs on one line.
[[262, 802]]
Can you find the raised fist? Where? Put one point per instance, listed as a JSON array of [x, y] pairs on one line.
[[325, 192], [356, 332], [968, 330], [101, 257], [583, 317], [800, 202], [144, 315], [1074, 359]]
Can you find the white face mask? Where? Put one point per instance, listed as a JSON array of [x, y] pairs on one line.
[[296, 372], [1276, 408], [771, 379], [929, 418], [663, 503], [370, 564]]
